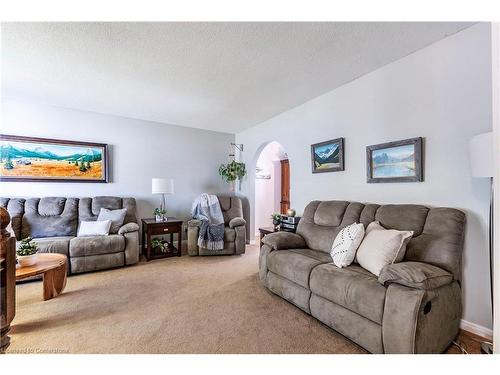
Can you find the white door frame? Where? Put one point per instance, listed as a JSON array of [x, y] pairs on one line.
[[495, 64]]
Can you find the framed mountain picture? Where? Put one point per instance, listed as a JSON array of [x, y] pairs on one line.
[[328, 156], [399, 161], [52, 160]]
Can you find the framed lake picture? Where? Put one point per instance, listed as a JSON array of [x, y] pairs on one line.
[[399, 161], [52, 160], [328, 156]]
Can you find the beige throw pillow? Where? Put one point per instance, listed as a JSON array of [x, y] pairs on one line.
[[382, 247]]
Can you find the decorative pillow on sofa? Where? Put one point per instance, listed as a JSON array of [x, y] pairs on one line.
[[116, 216], [94, 228], [346, 243], [381, 247]]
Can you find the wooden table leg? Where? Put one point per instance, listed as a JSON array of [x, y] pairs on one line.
[[54, 281], [148, 248], [179, 242], [143, 240]]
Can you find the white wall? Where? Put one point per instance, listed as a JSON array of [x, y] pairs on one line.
[[139, 150], [442, 93], [267, 201]]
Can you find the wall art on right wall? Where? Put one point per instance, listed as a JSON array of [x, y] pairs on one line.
[[399, 161]]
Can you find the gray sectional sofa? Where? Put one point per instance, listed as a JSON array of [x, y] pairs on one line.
[[53, 223], [234, 230], [413, 307]]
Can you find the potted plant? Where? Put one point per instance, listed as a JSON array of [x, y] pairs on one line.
[[232, 171], [276, 218], [159, 244], [27, 252], [159, 214]]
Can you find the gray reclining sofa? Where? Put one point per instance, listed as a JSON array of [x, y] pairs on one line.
[[413, 307], [53, 223]]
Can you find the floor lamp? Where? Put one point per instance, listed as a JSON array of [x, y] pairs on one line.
[[482, 160]]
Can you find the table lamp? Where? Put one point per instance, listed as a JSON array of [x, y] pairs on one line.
[[162, 186]]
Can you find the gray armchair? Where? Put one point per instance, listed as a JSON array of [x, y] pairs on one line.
[[234, 230]]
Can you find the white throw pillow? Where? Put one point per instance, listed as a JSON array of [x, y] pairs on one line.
[[94, 228], [382, 247], [346, 243], [117, 217]]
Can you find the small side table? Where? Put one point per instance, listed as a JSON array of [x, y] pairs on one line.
[[264, 231], [151, 227]]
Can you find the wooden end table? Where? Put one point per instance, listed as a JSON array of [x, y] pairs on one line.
[[53, 267], [264, 231], [151, 227]]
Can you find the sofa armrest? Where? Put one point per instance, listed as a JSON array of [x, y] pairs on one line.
[[127, 228], [284, 240], [237, 222], [194, 223], [415, 275], [193, 231], [131, 247]]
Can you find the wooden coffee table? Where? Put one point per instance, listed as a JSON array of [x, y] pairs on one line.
[[53, 267]]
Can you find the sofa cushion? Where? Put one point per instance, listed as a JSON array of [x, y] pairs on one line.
[[96, 245], [89, 208], [351, 287], [51, 206], [403, 217], [231, 207], [50, 217], [58, 245], [322, 221], [330, 213], [296, 265]]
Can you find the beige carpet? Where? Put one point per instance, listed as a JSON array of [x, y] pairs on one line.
[[175, 305]]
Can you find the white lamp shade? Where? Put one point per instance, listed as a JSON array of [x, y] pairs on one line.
[[481, 155], [162, 186]]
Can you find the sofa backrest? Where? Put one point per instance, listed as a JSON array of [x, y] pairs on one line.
[[49, 217], [89, 208], [231, 207], [15, 207], [59, 216], [438, 232]]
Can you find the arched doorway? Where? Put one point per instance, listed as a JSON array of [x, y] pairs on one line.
[[272, 184]]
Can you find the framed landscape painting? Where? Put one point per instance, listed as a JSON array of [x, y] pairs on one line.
[[399, 161], [328, 156], [52, 160]]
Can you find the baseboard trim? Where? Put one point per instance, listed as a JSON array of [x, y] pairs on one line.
[[476, 329]]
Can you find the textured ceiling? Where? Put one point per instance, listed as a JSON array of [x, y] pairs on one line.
[[218, 76]]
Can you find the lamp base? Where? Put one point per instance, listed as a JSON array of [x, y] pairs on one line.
[[486, 348]]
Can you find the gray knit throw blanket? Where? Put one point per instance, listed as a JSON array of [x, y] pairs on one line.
[[206, 208]]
